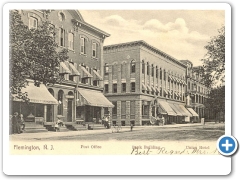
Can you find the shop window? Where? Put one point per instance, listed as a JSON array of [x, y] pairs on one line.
[[122, 123], [145, 111]]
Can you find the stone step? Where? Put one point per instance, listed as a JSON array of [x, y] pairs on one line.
[[35, 130]]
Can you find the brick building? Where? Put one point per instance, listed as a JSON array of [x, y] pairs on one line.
[[79, 97], [144, 83], [196, 91]]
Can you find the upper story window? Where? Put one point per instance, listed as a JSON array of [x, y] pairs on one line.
[[189, 86], [61, 17], [106, 69], [133, 66], [132, 86], [62, 37], [94, 50], [161, 73], [83, 45], [164, 75], [114, 88], [123, 87], [143, 67], [156, 72], [106, 88], [33, 23], [148, 68], [70, 41], [152, 70]]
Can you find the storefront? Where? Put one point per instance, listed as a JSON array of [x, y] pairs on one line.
[[39, 108], [91, 104]]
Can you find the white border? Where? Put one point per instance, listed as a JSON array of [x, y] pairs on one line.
[[134, 165]]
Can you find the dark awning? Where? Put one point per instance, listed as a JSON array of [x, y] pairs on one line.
[[94, 98], [36, 94]]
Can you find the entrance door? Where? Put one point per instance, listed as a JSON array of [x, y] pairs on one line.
[[69, 110]]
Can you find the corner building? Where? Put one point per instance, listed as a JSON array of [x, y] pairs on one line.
[[144, 83], [79, 98]]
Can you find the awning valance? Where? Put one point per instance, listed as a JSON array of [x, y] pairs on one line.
[[186, 112], [73, 69], [178, 113], [94, 98], [39, 95], [192, 112], [64, 69], [97, 75], [167, 108], [85, 73]]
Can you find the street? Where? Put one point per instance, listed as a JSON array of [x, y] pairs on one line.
[[178, 132]]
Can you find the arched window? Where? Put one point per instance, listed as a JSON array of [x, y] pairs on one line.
[[148, 68], [143, 67], [33, 22], [61, 17], [152, 70], [60, 102], [133, 66], [70, 41], [51, 91]]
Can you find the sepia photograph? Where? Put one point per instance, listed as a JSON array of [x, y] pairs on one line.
[[117, 81]]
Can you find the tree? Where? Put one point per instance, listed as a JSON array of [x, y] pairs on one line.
[[214, 61], [33, 55]]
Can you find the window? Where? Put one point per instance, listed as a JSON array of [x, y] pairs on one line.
[[189, 86], [123, 109], [148, 68], [114, 88], [84, 80], [96, 82], [123, 87], [60, 102], [61, 17], [152, 70], [145, 111], [106, 88], [62, 37], [143, 67], [156, 72], [132, 109], [83, 45], [132, 86], [133, 66], [33, 22], [161, 73], [164, 75], [106, 69], [70, 41], [94, 50]]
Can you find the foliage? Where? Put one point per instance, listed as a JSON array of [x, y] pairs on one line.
[[214, 61], [33, 54]]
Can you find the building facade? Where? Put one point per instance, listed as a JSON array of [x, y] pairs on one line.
[[196, 91], [144, 84], [79, 97]]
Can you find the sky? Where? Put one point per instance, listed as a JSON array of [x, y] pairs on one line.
[[180, 33]]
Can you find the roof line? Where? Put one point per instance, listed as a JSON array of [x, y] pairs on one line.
[[143, 43]]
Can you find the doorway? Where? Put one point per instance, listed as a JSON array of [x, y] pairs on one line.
[[69, 110]]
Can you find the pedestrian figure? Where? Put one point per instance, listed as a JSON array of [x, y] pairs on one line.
[[131, 126], [15, 124], [56, 127], [22, 123], [163, 121]]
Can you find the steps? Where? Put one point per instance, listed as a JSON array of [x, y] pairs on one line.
[[32, 127]]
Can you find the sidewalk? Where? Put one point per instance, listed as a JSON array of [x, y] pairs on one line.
[[50, 134]]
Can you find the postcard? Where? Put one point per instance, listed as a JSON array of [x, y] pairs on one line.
[[121, 88]]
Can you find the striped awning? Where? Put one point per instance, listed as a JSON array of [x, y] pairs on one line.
[[73, 69], [97, 76], [39, 95], [144, 87], [64, 69], [164, 105], [148, 88], [186, 112], [176, 110], [85, 73], [192, 112]]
